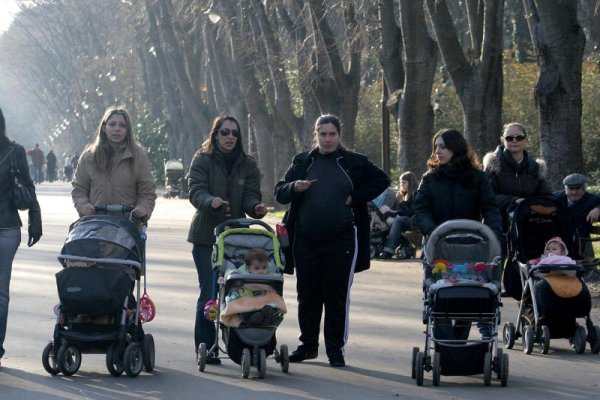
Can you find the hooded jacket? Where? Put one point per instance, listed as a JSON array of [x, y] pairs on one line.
[[511, 180]]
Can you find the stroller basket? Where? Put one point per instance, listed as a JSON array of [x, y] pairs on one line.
[[93, 290]]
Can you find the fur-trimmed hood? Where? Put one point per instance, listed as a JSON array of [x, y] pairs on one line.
[[492, 162]]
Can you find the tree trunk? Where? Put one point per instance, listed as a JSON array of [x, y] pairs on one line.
[[559, 42], [477, 75], [416, 112]]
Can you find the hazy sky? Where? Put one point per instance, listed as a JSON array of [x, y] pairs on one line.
[[8, 9]]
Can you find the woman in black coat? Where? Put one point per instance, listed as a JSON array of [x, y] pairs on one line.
[[455, 188], [328, 188], [10, 222]]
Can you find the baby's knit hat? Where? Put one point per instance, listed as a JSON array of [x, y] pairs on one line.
[[558, 240]]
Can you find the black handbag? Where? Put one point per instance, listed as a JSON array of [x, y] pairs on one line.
[[21, 196]]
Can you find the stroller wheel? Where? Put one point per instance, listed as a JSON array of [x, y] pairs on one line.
[[284, 358], [437, 369], [246, 363], [528, 337], [49, 359], [415, 351], [545, 340], [497, 363], [504, 370], [69, 359], [201, 357], [149, 352], [133, 360], [595, 347], [508, 335], [487, 369], [419, 368], [114, 360], [579, 339], [261, 364]]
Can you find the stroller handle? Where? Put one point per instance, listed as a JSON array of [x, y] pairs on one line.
[[114, 208], [241, 223]]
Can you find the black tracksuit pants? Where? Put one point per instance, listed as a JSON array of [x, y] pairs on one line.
[[324, 270]]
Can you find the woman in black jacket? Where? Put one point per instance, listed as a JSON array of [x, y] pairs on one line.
[[328, 188], [10, 222], [454, 187]]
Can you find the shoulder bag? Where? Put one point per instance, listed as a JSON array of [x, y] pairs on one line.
[[21, 196]]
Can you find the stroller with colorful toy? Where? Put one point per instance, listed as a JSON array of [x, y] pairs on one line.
[[103, 258], [248, 341], [461, 286], [552, 296]]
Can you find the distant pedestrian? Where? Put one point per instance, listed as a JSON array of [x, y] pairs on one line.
[[38, 160], [51, 166]]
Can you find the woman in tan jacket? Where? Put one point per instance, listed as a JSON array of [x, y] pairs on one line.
[[114, 169]]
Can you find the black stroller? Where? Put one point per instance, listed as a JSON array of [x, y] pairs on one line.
[[175, 183], [249, 344], [552, 296], [461, 286], [103, 259]]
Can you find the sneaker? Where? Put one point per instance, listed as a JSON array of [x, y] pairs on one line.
[[301, 354], [385, 255], [336, 360]]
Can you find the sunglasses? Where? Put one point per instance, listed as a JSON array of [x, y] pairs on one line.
[[227, 132], [518, 138]]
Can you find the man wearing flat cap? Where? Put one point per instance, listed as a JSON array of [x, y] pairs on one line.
[[584, 205]]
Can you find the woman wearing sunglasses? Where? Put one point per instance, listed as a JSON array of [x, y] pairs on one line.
[[224, 183], [514, 174]]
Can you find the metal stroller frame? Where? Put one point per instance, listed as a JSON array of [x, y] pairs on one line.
[[254, 339], [440, 305], [548, 219]]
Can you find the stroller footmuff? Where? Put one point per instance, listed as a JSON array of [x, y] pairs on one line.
[[250, 306], [103, 259], [551, 296], [461, 287]]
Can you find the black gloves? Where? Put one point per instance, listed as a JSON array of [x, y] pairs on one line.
[[35, 224]]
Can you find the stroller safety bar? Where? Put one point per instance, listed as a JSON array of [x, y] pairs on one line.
[[130, 263]]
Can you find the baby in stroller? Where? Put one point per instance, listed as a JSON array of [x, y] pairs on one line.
[[250, 304], [553, 293], [103, 259], [461, 286]]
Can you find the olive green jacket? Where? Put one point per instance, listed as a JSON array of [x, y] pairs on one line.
[[208, 178]]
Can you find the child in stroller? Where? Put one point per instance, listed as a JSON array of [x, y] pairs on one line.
[[248, 338], [103, 259], [252, 304], [461, 266], [553, 295]]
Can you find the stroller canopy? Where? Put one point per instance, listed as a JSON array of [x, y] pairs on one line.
[[462, 240], [174, 165], [535, 221], [103, 237]]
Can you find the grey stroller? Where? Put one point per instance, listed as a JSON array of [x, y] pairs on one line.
[[461, 286]]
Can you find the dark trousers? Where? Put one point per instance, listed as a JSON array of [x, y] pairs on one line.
[[204, 330], [324, 273]]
